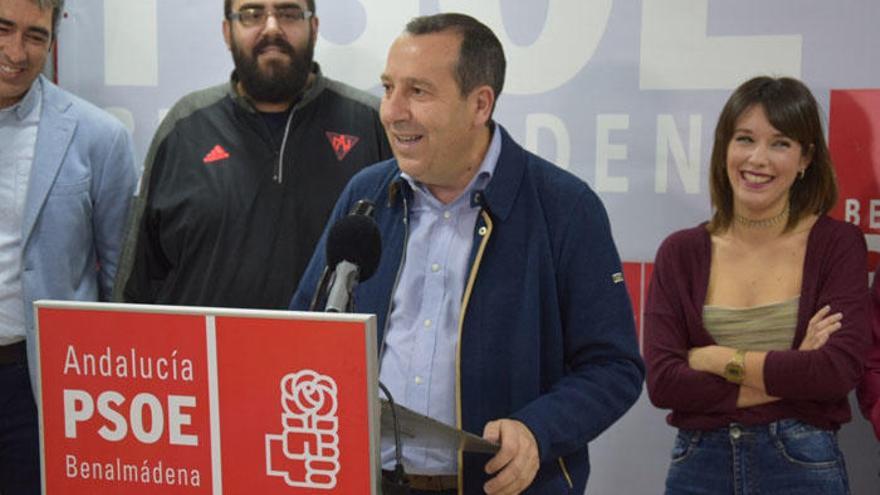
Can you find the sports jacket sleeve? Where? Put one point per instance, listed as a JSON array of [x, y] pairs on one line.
[[113, 190], [604, 370]]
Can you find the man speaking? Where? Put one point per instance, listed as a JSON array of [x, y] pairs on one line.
[[500, 300]]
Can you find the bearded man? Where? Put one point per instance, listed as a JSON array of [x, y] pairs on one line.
[[241, 177]]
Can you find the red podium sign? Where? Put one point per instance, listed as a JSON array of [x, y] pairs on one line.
[[171, 400]]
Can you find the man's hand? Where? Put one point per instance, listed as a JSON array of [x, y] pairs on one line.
[[516, 464]]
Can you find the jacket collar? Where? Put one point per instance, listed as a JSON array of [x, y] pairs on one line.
[[54, 135], [28, 103], [312, 92], [501, 192]]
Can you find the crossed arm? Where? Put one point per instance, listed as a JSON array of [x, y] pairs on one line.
[[685, 368], [753, 390]]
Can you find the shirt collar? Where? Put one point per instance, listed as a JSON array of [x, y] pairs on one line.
[[26, 106], [484, 173]]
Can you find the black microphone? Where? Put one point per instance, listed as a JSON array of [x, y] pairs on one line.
[[354, 246]]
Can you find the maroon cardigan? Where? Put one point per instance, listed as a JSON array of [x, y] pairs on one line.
[[813, 385]]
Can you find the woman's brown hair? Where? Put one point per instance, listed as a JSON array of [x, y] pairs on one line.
[[793, 111]]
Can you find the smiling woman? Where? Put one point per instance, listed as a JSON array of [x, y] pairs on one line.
[[756, 322], [770, 127]]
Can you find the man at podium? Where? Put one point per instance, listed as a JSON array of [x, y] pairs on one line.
[[500, 300]]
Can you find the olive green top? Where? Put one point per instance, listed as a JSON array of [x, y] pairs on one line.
[[760, 328]]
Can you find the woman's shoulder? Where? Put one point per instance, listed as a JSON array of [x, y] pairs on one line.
[[827, 228], [688, 238], [689, 242]]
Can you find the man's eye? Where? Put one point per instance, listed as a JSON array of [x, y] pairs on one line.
[[252, 15], [291, 14]]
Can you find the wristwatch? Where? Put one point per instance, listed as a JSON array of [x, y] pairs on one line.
[[735, 369]]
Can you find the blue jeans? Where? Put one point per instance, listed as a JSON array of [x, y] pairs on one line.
[[19, 433], [786, 457]]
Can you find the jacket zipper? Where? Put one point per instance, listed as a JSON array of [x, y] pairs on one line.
[[485, 231], [396, 279], [565, 473], [279, 171]]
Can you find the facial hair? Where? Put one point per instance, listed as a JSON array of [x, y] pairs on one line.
[[278, 81]]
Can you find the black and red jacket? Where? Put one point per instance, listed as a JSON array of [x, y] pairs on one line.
[[222, 221]]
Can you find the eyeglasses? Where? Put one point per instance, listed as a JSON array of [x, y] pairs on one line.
[[256, 16]]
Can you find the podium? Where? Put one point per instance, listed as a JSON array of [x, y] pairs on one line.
[[138, 399]]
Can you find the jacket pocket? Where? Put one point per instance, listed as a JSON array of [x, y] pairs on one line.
[[69, 189]]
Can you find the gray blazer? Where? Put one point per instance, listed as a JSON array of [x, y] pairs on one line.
[[81, 184]]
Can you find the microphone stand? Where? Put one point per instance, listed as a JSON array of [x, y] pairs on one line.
[[321, 289], [396, 483]]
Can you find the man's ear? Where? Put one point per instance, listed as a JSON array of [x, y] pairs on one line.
[[483, 98], [315, 24], [227, 33]]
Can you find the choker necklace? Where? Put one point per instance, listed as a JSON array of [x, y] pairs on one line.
[[764, 223]]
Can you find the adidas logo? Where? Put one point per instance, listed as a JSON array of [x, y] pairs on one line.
[[215, 155]]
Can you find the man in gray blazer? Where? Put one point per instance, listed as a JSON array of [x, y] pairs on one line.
[[66, 178]]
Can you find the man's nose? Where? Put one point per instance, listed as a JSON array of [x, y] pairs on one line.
[[15, 50]]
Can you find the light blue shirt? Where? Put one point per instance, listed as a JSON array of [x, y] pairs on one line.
[[418, 361], [18, 139]]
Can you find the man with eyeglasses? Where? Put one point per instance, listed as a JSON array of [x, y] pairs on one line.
[[67, 176], [241, 178]]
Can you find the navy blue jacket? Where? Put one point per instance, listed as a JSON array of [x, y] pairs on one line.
[[546, 335]]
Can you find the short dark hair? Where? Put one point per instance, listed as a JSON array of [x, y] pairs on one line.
[[227, 7], [480, 58], [57, 7], [793, 111]]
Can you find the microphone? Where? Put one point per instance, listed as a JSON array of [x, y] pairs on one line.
[[354, 246]]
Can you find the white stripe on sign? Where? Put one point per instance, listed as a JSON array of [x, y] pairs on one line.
[[131, 43], [213, 396]]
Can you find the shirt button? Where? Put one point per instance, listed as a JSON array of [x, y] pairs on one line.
[[483, 231], [446, 215], [435, 268], [418, 380], [428, 323]]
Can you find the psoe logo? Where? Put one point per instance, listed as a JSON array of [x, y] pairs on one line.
[[306, 453]]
